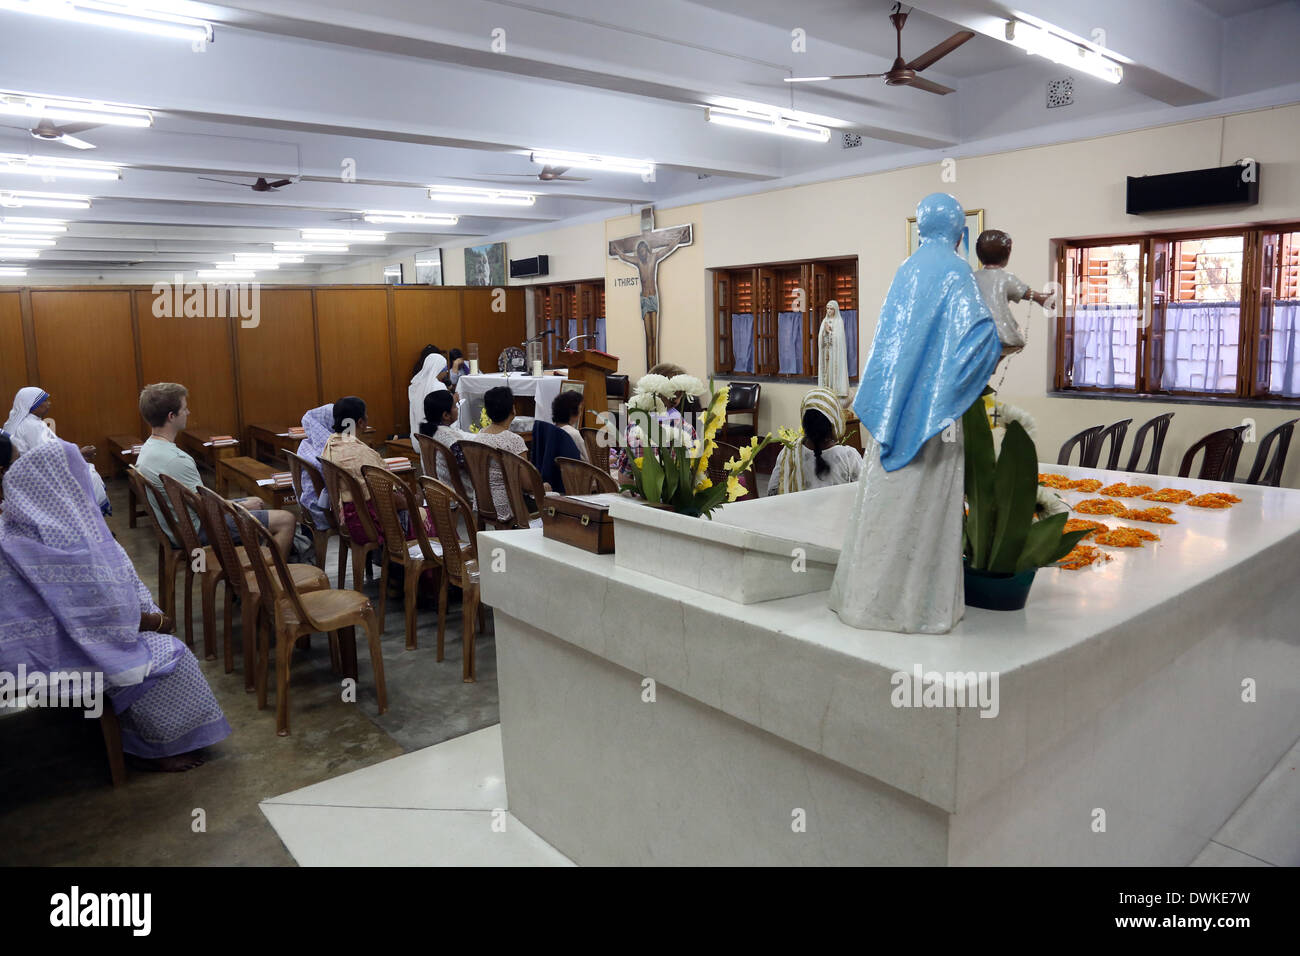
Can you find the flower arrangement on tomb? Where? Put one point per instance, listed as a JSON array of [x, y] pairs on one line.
[[1173, 495], [673, 468], [1002, 536], [1215, 499]]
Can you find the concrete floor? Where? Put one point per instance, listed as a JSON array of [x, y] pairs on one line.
[[57, 806]]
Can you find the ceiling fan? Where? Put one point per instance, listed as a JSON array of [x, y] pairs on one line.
[[261, 186], [49, 133], [903, 73], [549, 174]]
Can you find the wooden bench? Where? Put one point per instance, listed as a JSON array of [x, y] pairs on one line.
[[195, 442], [121, 449], [267, 442], [246, 474]]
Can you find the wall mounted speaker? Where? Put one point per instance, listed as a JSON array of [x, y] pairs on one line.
[[527, 268], [1235, 185]]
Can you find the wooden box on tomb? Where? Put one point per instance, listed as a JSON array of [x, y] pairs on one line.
[[585, 524]]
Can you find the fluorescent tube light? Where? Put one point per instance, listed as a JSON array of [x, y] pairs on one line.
[[342, 235], [385, 216], [7, 253], [310, 247], [19, 199], [58, 168], [13, 224], [473, 194], [771, 123], [225, 274], [12, 272], [29, 242], [64, 110], [1060, 50], [244, 266], [611, 164], [118, 16]]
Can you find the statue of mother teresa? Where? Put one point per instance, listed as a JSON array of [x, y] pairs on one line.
[[935, 347]]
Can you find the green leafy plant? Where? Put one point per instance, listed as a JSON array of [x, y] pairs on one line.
[[1001, 535]]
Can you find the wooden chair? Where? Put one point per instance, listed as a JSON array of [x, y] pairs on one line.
[[294, 614], [1222, 448], [300, 468], [1158, 427], [210, 571], [618, 388], [1084, 441], [597, 451], [391, 496], [523, 479], [1266, 471], [742, 399], [459, 563], [439, 461], [170, 552], [479, 459], [218, 517], [717, 471], [581, 478], [338, 481], [1115, 433]]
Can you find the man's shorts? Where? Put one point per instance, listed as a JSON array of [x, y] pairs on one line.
[[261, 517]]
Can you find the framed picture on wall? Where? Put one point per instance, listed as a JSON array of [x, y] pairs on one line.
[[974, 226], [485, 265], [428, 267], [393, 274]]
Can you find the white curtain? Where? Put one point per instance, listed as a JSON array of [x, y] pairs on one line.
[[1201, 340], [1284, 376], [1105, 346]]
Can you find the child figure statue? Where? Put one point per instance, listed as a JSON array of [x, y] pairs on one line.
[[998, 287], [935, 347]]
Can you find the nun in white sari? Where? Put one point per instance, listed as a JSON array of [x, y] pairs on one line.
[[28, 429], [425, 381]]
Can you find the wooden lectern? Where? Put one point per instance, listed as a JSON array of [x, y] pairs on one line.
[[590, 367]]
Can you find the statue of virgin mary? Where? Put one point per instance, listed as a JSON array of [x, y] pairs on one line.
[[935, 347], [832, 353]]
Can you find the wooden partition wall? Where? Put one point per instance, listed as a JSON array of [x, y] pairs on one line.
[[94, 348]]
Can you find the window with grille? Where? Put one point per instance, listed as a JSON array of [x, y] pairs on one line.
[[1196, 314], [766, 317]]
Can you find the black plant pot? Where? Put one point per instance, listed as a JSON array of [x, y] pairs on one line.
[[998, 592]]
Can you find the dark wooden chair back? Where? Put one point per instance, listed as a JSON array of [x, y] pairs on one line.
[[1268, 471], [1084, 441], [522, 480], [597, 451], [617, 388], [1222, 448], [581, 478], [742, 399], [717, 472], [337, 481], [1115, 435], [1157, 427]]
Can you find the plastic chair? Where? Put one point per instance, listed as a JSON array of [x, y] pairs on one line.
[[217, 515], [392, 496], [338, 481], [581, 478], [170, 552], [742, 399], [1115, 433], [1266, 471], [479, 460], [1084, 442], [294, 614], [522, 479], [1222, 448], [1159, 426], [299, 468], [210, 574], [440, 461], [459, 563], [597, 452]]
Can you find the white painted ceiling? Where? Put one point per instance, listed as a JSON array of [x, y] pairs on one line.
[[413, 93]]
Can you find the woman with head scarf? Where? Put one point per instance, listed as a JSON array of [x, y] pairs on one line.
[[820, 461], [73, 602], [319, 425], [936, 345], [27, 429], [425, 380]]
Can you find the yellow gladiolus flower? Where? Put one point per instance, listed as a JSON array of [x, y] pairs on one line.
[[704, 483], [734, 488], [638, 461]]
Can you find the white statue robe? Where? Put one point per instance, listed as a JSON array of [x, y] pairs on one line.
[[833, 354]]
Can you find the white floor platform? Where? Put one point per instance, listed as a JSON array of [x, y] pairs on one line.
[[434, 807]]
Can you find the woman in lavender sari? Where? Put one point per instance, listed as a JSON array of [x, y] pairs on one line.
[[71, 600], [319, 425]]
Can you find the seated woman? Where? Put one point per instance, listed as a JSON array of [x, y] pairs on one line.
[[566, 413], [820, 461], [499, 403], [73, 602], [318, 424], [457, 365], [440, 425], [429, 372], [27, 429], [659, 393]]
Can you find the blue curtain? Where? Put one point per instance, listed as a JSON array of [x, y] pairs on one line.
[[742, 341], [572, 325], [789, 343], [850, 317], [600, 335]]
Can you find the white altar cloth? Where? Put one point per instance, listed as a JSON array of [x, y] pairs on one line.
[[472, 388], [1120, 690]]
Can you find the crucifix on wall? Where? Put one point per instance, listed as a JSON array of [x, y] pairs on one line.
[[645, 251]]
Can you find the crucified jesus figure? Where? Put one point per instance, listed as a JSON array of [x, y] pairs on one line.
[[645, 251]]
